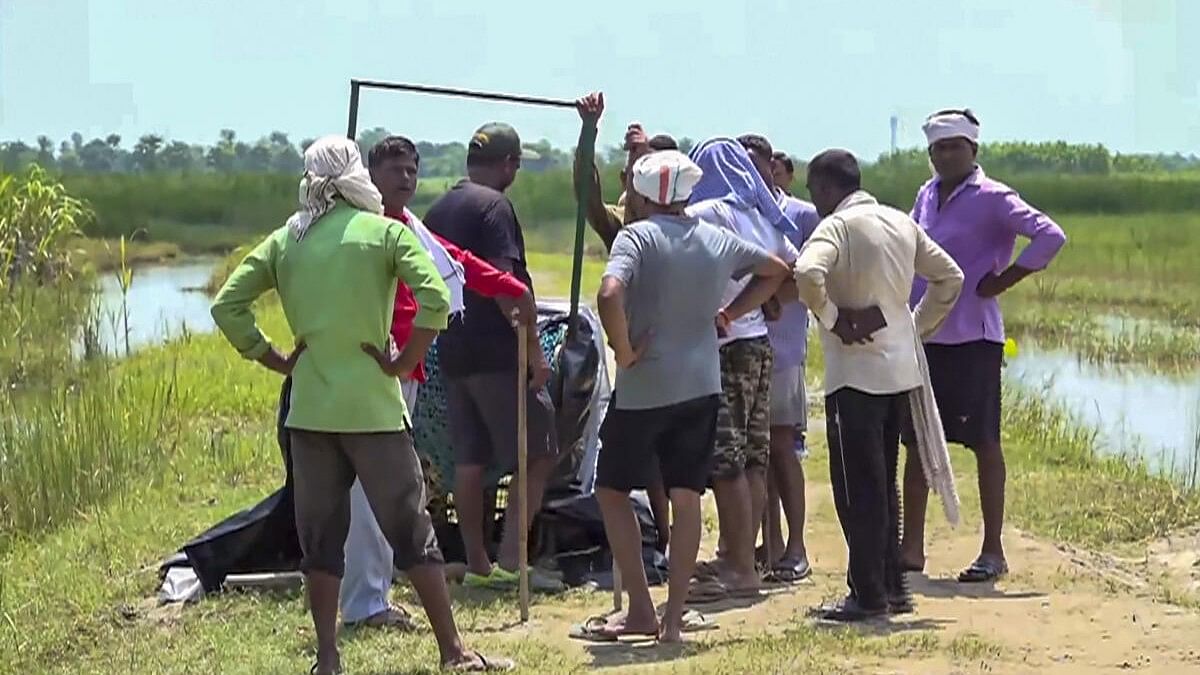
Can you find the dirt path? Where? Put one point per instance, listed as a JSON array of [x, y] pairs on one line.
[[1060, 611]]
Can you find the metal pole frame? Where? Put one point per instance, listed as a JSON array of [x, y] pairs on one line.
[[586, 157]]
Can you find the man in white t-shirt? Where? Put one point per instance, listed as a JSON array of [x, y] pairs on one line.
[[788, 333], [855, 273], [733, 195]]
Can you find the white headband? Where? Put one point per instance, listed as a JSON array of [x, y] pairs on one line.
[[950, 125]]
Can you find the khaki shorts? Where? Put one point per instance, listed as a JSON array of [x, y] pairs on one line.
[[789, 400], [325, 466]]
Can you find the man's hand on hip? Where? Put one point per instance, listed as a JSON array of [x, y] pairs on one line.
[[283, 365]]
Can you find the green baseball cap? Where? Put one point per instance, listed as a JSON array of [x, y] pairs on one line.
[[497, 140]]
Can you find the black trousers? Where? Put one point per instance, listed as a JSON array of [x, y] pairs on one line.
[[864, 440]]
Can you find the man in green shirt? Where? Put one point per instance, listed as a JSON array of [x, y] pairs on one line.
[[335, 265]]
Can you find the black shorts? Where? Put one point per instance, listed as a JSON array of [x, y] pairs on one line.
[[678, 440], [966, 385]]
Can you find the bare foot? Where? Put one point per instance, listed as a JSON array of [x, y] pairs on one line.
[[670, 633], [736, 582], [328, 663], [911, 561], [632, 623]]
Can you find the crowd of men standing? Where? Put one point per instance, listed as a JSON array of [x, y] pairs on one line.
[[713, 270]]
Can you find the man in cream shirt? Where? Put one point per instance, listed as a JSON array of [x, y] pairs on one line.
[[855, 274]]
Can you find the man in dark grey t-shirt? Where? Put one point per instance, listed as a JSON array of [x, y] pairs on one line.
[[660, 303]]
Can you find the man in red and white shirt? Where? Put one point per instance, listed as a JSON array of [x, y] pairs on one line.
[[393, 164]]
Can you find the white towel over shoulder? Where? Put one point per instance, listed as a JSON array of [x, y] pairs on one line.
[[450, 269], [931, 439]]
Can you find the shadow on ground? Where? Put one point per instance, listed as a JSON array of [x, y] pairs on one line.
[[643, 652], [946, 587]]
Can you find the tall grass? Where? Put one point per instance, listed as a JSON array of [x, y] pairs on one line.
[[39, 308], [1153, 247], [166, 206], [1112, 267], [1122, 194], [37, 216], [38, 324], [77, 427], [74, 443], [84, 431], [257, 203]]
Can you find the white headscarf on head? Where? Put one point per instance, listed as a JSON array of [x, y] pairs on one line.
[[665, 177], [951, 124], [332, 168]]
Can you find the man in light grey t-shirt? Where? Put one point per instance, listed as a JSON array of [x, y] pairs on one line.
[[660, 302]]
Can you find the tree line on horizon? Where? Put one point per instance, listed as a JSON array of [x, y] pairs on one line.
[[275, 153]]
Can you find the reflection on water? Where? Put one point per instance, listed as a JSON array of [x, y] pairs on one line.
[[1158, 413], [162, 301]]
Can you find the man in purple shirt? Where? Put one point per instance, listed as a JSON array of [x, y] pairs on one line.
[[976, 220]]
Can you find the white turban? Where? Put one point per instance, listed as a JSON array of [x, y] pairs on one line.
[[665, 177], [950, 125], [332, 167]]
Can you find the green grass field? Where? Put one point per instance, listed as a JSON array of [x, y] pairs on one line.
[[181, 435], [107, 465]]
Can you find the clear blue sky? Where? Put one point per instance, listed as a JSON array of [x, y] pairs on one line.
[[809, 74]]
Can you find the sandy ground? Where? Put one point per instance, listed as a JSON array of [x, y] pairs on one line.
[[1061, 611]]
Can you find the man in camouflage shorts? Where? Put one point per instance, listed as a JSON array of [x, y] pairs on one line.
[[743, 420]]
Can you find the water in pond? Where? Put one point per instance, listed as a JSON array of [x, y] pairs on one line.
[[1157, 413], [162, 300]]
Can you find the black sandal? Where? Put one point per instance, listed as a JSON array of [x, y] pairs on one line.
[[481, 664], [850, 611], [984, 569]]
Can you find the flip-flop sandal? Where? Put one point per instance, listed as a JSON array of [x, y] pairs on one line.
[[984, 569], [791, 571], [745, 592], [714, 590], [394, 617], [591, 630], [706, 569], [595, 629], [704, 591], [695, 622], [481, 664]]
